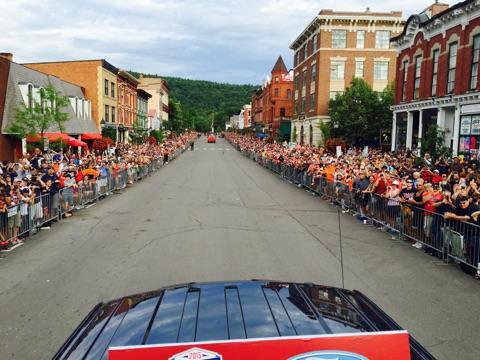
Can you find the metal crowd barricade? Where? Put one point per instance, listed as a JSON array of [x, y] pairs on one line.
[[23, 220], [87, 193], [447, 239], [462, 243], [46, 210], [102, 184]]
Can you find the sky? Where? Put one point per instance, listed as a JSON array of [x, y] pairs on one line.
[[224, 40]]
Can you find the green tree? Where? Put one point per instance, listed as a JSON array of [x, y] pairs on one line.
[[159, 135], [110, 132], [434, 143], [41, 116], [138, 133], [176, 117], [360, 113], [199, 99]]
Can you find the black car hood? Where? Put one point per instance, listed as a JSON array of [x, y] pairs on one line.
[[221, 311]]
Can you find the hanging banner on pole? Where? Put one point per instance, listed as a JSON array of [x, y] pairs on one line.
[[364, 346]]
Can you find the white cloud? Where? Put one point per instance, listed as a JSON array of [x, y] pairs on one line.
[[231, 41]]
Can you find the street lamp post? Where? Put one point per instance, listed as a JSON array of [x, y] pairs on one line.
[[335, 127]]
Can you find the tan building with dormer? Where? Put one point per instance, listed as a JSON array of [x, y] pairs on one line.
[[333, 49], [99, 79], [158, 103]]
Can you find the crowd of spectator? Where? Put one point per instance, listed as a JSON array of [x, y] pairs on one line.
[[42, 182], [424, 191]]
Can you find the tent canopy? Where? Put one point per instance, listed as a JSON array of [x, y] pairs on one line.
[[57, 136], [91, 136], [75, 142]]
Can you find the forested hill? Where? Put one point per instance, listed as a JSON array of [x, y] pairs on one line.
[[207, 95], [199, 98]]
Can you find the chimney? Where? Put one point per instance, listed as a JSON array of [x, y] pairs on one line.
[[437, 8], [6, 55]]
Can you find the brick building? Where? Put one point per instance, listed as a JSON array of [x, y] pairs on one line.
[[273, 103], [247, 115], [437, 77], [330, 51], [126, 104], [257, 108], [21, 86]]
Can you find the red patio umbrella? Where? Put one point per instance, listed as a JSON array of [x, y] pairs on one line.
[[91, 136], [75, 142], [56, 136]]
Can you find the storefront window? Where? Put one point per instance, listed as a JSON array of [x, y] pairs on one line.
[[469, 140]]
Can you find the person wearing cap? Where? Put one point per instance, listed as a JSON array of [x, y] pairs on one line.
[[393, 203], [67, 194], [437, 178]]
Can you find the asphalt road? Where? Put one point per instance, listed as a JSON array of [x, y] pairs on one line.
[[212, 214]]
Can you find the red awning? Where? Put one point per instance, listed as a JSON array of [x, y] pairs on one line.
[[75, 142], [91, 136]]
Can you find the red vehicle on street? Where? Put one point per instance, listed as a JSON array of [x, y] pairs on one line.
[[211, 138]]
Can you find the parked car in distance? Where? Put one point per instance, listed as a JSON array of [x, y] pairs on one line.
[[211, 139]]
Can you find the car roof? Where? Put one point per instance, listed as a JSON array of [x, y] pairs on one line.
[[218, 311]]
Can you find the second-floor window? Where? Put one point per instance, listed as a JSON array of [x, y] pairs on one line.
[[405, 77], [435, 56], [314, 73], [113, 114], [315, 42], [339, 39], [105, 83], [277, 92], [289, 94], [107, 117], [380, 70], [304, 83], [418, 74], [475, 58], [112, 89], [360, 39], [337, 70], [382, 39], [312, 102], [305, 51], [359, 69], [452, 67], [303, 104]]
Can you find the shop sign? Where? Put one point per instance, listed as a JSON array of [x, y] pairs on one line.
[[475, 125], [371, 346], [465, 125], [470, 108]]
